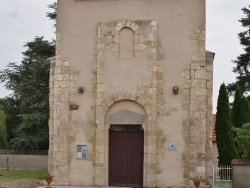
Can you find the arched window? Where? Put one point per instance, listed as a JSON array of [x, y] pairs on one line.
[[126, 43]]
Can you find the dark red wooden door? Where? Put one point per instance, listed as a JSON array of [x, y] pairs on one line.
[[135, 158], [126, 158]]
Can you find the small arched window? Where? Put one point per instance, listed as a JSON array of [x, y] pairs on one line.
[[126, 43]]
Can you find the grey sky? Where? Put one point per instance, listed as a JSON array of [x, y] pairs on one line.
[[222, 29], [22, 20]]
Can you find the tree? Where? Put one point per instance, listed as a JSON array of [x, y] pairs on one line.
[[236, 109], [11, 111], [240, 109], [241, 114], [243, 61], [243, 140], [52, 15], [27, 110], [244, 112], [224, 129], [29, 82], [3, 132]]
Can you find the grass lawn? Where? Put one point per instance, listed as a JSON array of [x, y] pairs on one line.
[[10, 175]]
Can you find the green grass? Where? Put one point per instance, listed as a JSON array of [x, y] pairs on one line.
[[10, 175]]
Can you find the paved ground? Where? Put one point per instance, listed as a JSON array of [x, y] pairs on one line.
[[66, 186], [73, 187], [61, 187]]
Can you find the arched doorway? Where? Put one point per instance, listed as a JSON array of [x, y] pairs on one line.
[[126, 149], [123, 112]]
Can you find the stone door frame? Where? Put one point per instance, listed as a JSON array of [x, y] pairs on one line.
[[102, 150]]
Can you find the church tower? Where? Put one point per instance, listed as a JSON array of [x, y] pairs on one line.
[[130, 94]]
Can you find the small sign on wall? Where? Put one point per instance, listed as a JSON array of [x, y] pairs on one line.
[[172, 146], [81, 152]]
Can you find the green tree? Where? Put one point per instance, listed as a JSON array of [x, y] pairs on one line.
[[240, 113], [52, 15], [244, 112], [243, 140], [27, 108], [3, 132], [243, 61], [29, 82], [240, 109], [11, 110], [224, 129], [236, 109]]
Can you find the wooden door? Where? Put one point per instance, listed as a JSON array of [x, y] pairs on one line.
[[126, 157]]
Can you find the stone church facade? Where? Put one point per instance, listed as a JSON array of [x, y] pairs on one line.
[[130, 94]]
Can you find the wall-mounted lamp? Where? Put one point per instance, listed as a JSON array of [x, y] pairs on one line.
[[80, 89], [73, 107], [175, 89]]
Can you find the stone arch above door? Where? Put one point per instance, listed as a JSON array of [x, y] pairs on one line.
[[125, 117], [125, 112]]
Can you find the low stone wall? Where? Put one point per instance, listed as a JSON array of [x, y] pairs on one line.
[[241, 173], [30, 160]]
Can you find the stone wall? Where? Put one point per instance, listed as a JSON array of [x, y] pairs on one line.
[[23, 161], [240, 173]]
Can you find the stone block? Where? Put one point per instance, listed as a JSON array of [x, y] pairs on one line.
[[209, 100], [198, 83], [51, 85], [210, 68], [58, 77], [209, 92], [210, 84], [195, 65], [200, 74], [99, 181], [57, 70], [65, 70], [66, 77], [186, 75], [201, 100], [134, 28], [139, 47], [141, 39], [200, 91], [51, 78], [65, 63], [100, 88], [136, 39], [58, 91], [73, 76], [58, 63]]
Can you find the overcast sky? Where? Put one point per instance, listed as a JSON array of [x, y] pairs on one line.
[[22, 20]]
